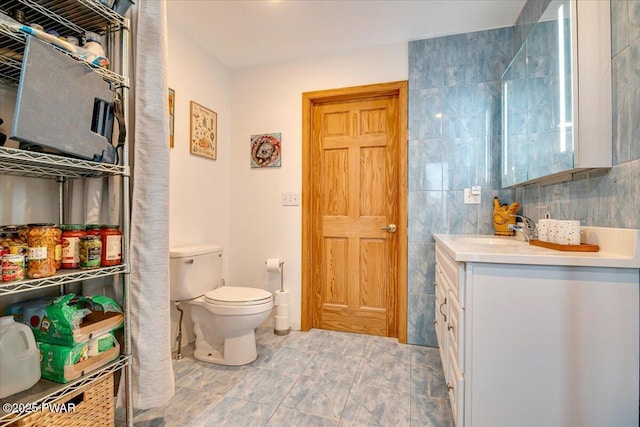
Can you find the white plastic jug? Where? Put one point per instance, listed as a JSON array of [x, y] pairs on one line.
[[19, 357]]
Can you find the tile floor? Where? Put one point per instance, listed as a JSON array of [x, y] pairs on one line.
[[315, 378]]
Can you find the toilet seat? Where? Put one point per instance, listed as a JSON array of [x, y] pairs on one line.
[[237, 296]]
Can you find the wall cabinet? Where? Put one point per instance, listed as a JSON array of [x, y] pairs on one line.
[[68, 17], [538, 345], [556, 96]]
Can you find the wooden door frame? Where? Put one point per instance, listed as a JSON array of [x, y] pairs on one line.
[[309, 100]]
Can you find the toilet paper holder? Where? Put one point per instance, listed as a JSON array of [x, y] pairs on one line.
[[280, 263], [281, 300]]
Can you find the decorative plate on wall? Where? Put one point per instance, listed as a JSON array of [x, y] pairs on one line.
[[266, 150]]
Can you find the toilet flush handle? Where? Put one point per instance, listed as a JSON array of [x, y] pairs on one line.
[[189, 261]]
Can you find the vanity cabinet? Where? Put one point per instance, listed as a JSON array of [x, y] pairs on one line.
[[538, 345], [449, 322], [556, 96]]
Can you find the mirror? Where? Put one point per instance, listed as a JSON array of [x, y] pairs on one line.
[[537, 101]]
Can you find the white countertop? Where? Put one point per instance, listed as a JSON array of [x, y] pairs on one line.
[[619, 248]]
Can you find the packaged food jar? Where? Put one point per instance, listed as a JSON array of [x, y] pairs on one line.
[[4, 244], [7, 235], [42, 240], [111, 245], [93, 229], [58, 251], [12, 267], [90, 252], [10, 231], [17, 247], [71, 234], [22, 232]]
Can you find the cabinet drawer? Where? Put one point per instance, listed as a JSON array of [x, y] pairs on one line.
[[455, 334], [453, 271], [455, 388]]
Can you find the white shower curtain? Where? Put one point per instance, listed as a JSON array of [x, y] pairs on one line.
[[153, 382]]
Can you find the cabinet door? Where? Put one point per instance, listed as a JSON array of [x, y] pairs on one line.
[[454, 272], [440, 318], [455, 334], [455, 388]]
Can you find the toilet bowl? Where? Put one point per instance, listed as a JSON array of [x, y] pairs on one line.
[[224, 316]]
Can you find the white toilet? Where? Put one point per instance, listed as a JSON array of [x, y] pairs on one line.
[[224, 317]]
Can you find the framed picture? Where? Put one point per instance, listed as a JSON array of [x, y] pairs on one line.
[[266, 150], [204, 131], [172, 98]]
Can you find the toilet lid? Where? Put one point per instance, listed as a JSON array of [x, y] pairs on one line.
[[236, 295]]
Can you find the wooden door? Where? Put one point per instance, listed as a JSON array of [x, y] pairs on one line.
[[355, 213]]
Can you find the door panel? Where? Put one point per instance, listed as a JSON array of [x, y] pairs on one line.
[[356, 153], [372, 273], [372, 171], [336, 279], [336, 182], [354, 184]]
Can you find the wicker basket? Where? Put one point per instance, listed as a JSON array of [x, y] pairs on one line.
[[94, 406]]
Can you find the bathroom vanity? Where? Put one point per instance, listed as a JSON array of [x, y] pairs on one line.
[[534, 337]]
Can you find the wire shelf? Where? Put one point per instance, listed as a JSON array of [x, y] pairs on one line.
[[61, 278], [11, 53], [41, 165], [67, 18], [46, 392]]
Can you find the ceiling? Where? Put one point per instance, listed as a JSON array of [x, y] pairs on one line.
[[243, 33]]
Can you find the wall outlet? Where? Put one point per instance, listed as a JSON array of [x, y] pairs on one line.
[[472, 197], [290, 199]]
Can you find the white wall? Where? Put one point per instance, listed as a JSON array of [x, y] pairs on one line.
[[199, 187], [268, 99]]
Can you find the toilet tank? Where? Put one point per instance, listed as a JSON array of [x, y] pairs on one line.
[[194, 270]]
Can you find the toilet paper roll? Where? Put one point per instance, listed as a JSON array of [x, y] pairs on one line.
[[273, 265], [282, 297], [282, 310], [282, 323]]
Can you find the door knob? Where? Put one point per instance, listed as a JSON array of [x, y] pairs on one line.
[[391, 228]]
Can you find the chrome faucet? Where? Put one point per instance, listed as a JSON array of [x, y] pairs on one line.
[[527, 227]]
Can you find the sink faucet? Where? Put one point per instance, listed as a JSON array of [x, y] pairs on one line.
[[527, 227]]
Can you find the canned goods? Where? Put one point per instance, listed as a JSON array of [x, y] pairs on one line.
[[12, 268], [90, 252]]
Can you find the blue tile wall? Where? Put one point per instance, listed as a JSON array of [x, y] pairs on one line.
[[609, 198], [454, 142], [454, 132]]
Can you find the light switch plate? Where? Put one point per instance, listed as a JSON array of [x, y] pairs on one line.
[[290, 199], [470, 198]]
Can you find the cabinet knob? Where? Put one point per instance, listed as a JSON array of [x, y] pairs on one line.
[[449, 387], [435, 322], [189, 261], [435, 284], [450, 327]]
